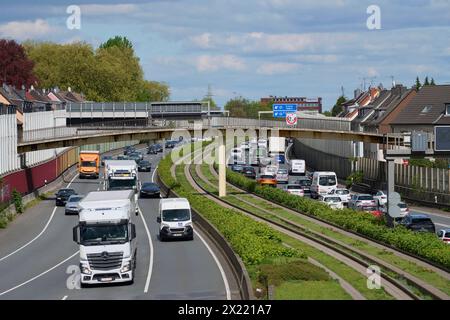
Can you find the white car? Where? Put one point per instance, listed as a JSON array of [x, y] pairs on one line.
[[444, 235], [359, 200], [282, 176], [342, 193], [295, 189], [381, 197], [334, 202], [404, 210], [272, 170]]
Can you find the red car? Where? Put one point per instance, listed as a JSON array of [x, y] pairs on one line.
[[372, 210]]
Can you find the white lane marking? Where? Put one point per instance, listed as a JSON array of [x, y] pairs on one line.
[[222, 272], [153, 175], [64, 298], [444, 225], [150, 266], [40, 275], [43, 230]]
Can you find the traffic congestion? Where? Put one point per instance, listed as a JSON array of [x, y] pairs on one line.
[[267, 161]]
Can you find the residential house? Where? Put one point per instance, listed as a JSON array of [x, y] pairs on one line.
[[428, 108]]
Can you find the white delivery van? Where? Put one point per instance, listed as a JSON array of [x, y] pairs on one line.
[[322, 183], [175, 219], [297, 167], [107, 237]]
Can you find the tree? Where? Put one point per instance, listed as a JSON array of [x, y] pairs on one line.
[[212, 104], [426, 82], [418, 84], [117, 41], [327, 113], [16, 68], [432, 83], [153, 91], [241, 107], [337, 108]]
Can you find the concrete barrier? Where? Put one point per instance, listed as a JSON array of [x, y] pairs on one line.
[[237, 266]]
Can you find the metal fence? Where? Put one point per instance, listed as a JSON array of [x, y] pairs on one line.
[[149, 108]]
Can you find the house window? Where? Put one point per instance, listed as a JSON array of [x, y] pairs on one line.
[[426, 109], [447, 109]]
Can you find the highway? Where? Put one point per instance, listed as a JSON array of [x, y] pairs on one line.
[[37, 254]]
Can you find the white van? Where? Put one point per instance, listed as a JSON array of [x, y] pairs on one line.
[[297, 167], [322, 183], [175, 219]]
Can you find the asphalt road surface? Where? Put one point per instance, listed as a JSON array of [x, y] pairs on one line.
[[37, 254]]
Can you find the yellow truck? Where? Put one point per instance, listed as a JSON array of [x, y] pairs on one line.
[[89, 164]]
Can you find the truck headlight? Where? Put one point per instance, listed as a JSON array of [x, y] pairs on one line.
[[85, 269], [126, 267]]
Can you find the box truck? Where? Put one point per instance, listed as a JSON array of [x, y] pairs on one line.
[[106, 235], [121, 175], [89, 164]]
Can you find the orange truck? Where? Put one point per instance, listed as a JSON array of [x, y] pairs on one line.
[[89, 164]]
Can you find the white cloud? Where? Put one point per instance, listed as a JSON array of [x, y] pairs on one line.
[[22, 30], [317, 58], [271, 68], [206, 63], [202, 41], [107, 9]]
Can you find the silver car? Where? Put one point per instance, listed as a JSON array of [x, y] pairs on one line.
[[282, 176], [359, 200], [72, 204]]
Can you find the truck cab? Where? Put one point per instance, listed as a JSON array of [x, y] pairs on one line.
[[175, 219], [107, 237], [89, 164], [121, 175]]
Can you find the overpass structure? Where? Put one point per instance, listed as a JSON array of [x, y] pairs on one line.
[[150, 129]]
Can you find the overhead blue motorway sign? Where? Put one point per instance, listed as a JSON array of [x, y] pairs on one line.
[[284, 107], [280, 110], [442, 138]]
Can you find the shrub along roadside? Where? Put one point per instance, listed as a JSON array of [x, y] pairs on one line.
[[424, 245]]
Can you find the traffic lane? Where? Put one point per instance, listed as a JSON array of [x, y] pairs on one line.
[[181, 269], [51, 248], [55, 282]]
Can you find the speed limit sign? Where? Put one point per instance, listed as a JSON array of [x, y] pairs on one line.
[[291, 119]]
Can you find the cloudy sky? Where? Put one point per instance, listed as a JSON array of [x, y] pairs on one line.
[[256, 48]]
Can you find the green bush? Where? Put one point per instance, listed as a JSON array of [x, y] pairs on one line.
[[17, 200], [425, 245]]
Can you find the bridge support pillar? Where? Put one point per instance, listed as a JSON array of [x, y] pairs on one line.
[[222, 171]]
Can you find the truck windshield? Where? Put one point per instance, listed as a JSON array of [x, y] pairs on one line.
[[327, 180], [91, 235], [121, 184], [88, 163], [176, 215]]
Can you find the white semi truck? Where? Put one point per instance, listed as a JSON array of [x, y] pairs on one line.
[[121, 175], [107, 237]]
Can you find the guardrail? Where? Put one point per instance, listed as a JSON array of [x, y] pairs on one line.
[[239, 270]]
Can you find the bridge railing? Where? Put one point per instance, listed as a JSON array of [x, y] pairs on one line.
[[83, 129]]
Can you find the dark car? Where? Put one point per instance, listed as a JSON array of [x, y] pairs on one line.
[[135, 156], [170, 144], [418, 222], [144, 165], [123, 158], [249, 172], [305, 182], [106, 158], [63, 195], [155, 149], [237, 168], [150, 190], [129, 150]]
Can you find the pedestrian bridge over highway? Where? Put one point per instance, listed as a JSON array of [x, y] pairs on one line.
[[148, 129]]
